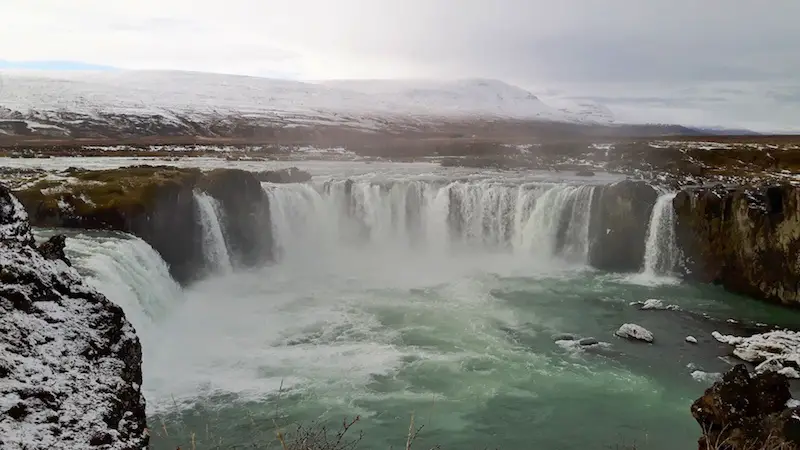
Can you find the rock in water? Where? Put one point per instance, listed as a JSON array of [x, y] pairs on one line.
[[70, 363], [564, 337], [691, 339], [633, 331], [745, 412], [53, 249], [588, 341]]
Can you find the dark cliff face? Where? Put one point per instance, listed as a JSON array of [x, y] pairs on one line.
[[618, 228], [158, 205], [746, 239], [70, 371], [246, 220]]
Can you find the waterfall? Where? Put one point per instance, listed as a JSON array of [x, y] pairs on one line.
[[215, 250], [661, 249], [126, 270], [544, 220]]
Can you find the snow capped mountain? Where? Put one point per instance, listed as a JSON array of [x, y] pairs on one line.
[[191, 102], [458, 98]]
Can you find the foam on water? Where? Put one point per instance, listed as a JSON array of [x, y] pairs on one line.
[[128, 271]]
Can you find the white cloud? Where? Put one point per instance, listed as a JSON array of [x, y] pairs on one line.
[[661, 43]]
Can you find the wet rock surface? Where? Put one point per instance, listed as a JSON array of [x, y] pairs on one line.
[[70, 362], [618, 227], [745, 239]]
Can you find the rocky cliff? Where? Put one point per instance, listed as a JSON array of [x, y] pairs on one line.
[[70, 362], [746, 239], [618, 228], [158, 204]]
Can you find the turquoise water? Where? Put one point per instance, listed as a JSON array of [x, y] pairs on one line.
[[473, 358]]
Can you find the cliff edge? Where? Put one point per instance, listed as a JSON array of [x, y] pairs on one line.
[[70, 362]]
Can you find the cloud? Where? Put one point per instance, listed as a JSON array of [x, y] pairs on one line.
[[664, 43]]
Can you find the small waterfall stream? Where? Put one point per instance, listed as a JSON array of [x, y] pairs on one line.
[[215, 248], [661, 250]]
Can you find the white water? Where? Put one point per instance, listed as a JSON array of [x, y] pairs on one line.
[[129, 272], [661, 249], [438, 298], [438, 218], [215, 249]]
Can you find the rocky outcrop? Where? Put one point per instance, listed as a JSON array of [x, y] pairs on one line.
[[70, 362], [746, 239], [158, 204], [618, 228], [747, 412], [246, 220], [53, 249]]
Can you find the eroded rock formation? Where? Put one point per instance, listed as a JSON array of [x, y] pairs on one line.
[[70, 362], [746, 239], [620, 218], [158, 205]]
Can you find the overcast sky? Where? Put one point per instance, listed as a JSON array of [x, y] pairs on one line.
[[731, 61]]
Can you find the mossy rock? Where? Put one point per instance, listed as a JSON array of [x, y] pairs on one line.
[[103, 198]]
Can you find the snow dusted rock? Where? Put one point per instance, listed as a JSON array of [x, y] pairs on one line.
[[13, 219], [70, 363], [775, 351], [633, 331], [654, 303], [691, 339], [706, 377], [747, 412]]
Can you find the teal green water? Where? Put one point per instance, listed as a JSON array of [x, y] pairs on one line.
[[472, 357]]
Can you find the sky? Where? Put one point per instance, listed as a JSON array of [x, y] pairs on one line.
[[711, 62]]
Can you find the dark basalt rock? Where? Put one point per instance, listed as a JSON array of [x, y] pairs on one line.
[[53, 249], [247, 218], [618, 228], [743, 412], [158, 205], [745, 239], [71, 369]]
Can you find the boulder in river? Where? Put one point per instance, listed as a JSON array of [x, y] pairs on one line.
[[633, 331]]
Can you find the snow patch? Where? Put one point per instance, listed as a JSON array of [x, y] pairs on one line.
[[774, 351], [633, 331], [175, 97]]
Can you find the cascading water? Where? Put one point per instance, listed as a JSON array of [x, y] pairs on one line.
[[661, 250], [539, 219], [127, 271], [215, 249]]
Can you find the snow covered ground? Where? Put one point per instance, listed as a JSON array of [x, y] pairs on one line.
[[185, 99]]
